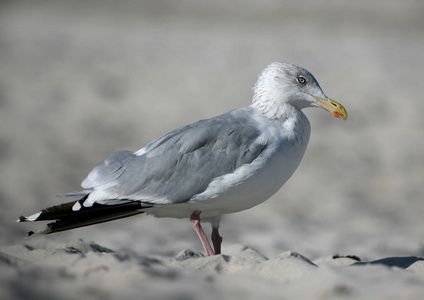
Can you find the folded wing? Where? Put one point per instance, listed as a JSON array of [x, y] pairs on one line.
[[180, 164]]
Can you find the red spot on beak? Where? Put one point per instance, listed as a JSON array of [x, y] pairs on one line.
[[337, 114]]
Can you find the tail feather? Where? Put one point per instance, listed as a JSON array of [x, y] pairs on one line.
[[66, 218]]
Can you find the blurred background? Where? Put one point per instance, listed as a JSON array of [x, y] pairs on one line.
[[80, 80]]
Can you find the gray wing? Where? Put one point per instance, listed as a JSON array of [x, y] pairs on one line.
[[183, 162]]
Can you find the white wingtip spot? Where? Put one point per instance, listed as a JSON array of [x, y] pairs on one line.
[[32, 217], [76, 207], [140, 152], [88, 203]]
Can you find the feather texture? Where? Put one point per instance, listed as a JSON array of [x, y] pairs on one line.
[[67, 218]]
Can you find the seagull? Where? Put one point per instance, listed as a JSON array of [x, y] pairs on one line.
[[222, 165]]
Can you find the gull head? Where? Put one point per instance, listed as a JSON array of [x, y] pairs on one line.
[[282, 84]]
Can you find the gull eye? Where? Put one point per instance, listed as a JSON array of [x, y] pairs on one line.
[[301, 79]]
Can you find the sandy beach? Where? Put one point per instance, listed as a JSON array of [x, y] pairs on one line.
[[79, 81], [81, 269]]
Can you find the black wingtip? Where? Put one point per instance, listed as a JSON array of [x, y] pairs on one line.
[[21, 219], [66, 218]]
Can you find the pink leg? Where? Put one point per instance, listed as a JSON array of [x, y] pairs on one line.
[[195, 221], [216, 240]]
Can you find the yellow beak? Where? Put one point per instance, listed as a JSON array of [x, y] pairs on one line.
[[332, 106]]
